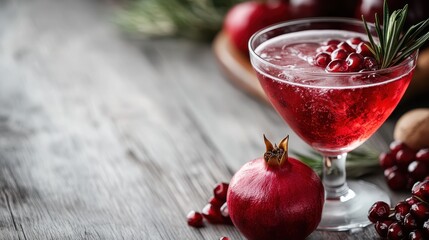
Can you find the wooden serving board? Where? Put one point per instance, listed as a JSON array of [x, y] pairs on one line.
[[237, 66]]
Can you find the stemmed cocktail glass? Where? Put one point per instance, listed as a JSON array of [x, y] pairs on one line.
[[334, 112]]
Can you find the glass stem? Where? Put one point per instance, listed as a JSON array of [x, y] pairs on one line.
[[334, 176]]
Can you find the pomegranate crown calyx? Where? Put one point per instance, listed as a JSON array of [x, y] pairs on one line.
[[276, 155]]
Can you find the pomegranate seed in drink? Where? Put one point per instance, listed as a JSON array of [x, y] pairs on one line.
[[369, 64], [333, 42], [345, 46], [362, 48], [322, 59], [354, 61], [339, 54], [337, 66], [354, 40]]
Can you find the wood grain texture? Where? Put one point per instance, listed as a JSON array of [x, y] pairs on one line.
[[102, 137]]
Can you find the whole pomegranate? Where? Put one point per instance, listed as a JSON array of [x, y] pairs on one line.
[[246, 18], [275, 197]]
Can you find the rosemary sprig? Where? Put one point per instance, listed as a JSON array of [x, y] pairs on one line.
[[359, 162], [393, 46], [194, 19]]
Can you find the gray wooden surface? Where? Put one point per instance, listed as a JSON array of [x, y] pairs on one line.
[[103, 137]]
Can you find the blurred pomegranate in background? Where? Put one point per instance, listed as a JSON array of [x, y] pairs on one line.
[[340, 8], [418, 10], [244, 19], [306, 8]]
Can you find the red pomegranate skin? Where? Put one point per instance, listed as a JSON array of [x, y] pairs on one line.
[[280, 202], [246, 18]]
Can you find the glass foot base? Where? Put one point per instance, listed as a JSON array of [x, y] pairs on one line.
[[351, 211]]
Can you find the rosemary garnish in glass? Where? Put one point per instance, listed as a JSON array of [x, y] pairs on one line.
[[393, 45]]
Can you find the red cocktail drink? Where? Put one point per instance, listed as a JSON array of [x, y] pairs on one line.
[[324, 83], [332, 112]]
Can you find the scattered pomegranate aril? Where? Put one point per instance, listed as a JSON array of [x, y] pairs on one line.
[[337, 66], [395, 232], [420, 211], [396, 180], [410, 222], [410, 219], [423, 155], [195, 219], [417, 170], [224, 238], [379, 211], [425, 228], [212, 214], [225, 214], [421, 190], [220, 191], [404, 157], [216, 202], [382, 226], [215, 211], [401, 209], [404, 166], [386, 160], [395, 146], [224, 210], [411, 200], [416, 235]]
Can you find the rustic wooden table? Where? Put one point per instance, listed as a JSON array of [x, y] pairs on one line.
[[102, 137]]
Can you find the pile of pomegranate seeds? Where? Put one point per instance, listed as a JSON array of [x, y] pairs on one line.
[[404, 166], [215, 212], [409, 219], [352, 55]]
